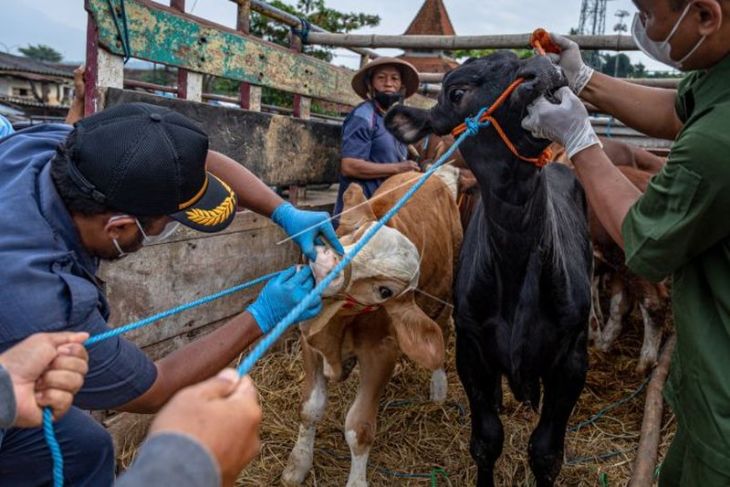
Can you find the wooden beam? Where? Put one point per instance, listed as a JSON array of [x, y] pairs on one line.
[[450, 43], [182, 74], [160, 34]]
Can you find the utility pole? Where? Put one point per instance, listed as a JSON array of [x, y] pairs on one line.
[[592, 22], [620, 27]]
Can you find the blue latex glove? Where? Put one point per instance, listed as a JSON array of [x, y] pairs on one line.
[[281, 294], [305, 226]]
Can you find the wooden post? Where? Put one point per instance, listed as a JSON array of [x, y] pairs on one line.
[[651, 425], [103, 70], [250, 95]]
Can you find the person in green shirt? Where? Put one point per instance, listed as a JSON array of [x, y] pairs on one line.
[[681, 226]]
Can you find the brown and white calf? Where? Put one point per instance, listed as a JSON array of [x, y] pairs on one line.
[[393, 298]]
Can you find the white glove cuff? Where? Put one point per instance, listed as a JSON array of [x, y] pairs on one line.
[[585, 73], [582, 139]]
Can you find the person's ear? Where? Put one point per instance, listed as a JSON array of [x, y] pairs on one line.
[[119, 224], [710, 12]]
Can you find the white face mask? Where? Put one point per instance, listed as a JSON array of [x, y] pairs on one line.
[[661, 51], [166, 232]]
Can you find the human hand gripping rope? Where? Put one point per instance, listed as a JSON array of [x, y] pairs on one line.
[[469, 128]]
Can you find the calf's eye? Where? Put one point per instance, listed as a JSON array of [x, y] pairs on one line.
[[385, 292], [456, 95]]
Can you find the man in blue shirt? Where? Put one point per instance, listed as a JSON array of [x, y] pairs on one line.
[[117, 181], [370, 154]]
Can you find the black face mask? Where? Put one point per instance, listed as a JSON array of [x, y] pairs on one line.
[[387, 100]]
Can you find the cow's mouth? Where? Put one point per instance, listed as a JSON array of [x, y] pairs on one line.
[[327, 259]]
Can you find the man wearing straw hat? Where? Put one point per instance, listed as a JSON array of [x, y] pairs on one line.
[[370, 154]]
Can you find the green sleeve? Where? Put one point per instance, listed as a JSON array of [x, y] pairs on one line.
[[686, 208]]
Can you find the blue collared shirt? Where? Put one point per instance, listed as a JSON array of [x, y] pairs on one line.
[[365, 137], [48, 278]]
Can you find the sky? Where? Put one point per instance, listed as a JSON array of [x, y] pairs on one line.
[[62, 23]]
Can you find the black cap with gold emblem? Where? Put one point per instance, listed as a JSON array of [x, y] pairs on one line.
[[147, 160]]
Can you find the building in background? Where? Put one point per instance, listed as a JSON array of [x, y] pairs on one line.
[[431, 19], [31, 89]]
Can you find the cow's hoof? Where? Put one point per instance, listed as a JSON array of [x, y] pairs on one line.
[[439, 386], [357, 483], [293, 475]]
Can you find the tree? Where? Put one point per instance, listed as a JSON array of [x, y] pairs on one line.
[[41, 52], [315, 12], [617, 65]]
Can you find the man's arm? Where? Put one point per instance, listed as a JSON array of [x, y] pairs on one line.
[[646, 109], [76, 110], [252, 192], [196, 362], [608, 190], [362, 169]]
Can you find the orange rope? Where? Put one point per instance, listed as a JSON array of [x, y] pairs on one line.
[[539, 39]]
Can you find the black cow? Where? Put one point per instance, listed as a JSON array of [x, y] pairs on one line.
[[523, 286]]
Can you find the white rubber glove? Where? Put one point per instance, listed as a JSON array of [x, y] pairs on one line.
[[571, 62], [567, 123]]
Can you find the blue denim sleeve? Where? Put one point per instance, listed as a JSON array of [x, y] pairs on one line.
[[118, 370], [171, 459], [356, 138]]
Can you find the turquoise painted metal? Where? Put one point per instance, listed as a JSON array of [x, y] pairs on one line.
[[163, 35]]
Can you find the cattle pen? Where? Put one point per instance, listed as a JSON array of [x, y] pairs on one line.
[[297, 151]]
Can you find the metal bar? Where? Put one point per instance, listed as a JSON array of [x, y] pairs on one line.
[[293, 21], [450, 43], [657, 82], [133, 83]]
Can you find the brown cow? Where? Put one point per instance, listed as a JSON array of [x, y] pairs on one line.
[[394, 297], [625, 288]]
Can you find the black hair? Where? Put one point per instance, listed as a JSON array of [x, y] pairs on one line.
[[75, 200]]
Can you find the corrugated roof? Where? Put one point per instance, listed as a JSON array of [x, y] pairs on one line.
[[431, 19], [10, 62]]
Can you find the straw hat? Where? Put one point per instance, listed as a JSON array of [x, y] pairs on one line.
[[409, 75]]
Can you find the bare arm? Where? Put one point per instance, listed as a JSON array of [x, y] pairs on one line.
[[608, 190], [252, 192], [646, 109], [196, 362], [76, 110], [361, 169]]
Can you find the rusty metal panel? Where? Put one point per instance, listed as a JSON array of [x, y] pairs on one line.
[[163, 35]]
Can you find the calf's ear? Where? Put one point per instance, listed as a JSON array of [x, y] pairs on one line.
[[356, 210], [408, 124], [419, 337]]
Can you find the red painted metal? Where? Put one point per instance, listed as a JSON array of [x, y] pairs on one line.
[[182, 74], [92, 64], [243, 25]]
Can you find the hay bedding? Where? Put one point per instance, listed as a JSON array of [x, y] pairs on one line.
[[414, 436]]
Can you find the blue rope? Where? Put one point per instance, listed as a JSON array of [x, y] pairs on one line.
[[55, 448], [302, 33], [263, 346], [123, 31], [50, 437], [472, 127]]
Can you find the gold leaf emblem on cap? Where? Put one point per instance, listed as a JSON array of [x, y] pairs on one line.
[[217, 215]]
